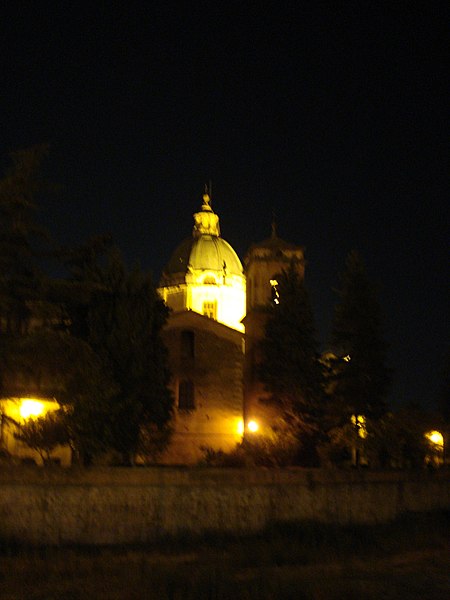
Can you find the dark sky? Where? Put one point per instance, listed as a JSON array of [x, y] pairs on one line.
[[333, 116]]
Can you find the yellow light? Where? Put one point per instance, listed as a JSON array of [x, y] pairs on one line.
[[275, 294], [240, 427], [347, 358], [435, 437], [30, 408], [252, 426], [359, 421]]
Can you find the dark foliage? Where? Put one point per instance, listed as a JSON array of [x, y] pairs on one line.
[[290, 368], [55, 364], [90, 340], [22, 240], [44, 433], [359, 379], [124, 320]]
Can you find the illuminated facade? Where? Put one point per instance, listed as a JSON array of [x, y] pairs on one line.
[[206, 360], [204, 285], [217, 394]]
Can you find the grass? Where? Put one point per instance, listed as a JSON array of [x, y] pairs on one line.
[[406, 559]]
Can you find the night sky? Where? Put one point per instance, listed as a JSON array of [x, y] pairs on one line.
[[332, 116]]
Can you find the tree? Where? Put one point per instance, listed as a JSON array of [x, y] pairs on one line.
[[124, 323], [399, 437], [54, 364], [359, 379], [21, 239], [85, 265], [44, 434], [95, 344], [290, 368]]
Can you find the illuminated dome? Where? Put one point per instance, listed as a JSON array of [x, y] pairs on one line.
[[205, 274], [207, 252]]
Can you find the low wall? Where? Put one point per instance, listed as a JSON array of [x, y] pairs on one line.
[[140, 505]]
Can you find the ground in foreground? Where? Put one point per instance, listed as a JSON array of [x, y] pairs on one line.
[[408, 559]]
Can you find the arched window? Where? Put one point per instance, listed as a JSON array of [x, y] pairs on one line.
[[186, 395], [187, 349]]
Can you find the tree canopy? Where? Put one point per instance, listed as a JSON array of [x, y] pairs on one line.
[[360, 378], [90, 339], [290, 368], [123, 324], [21, 238], [49, 363]]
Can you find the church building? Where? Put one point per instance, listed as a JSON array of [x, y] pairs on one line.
[[218, 313]]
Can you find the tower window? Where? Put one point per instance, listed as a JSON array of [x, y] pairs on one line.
[[210, 309], [275, 294], [186, 395], [187, 349], [209, 281]]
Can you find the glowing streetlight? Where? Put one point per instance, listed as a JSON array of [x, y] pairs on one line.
[[252, 426], [435, 437], [435, 455]]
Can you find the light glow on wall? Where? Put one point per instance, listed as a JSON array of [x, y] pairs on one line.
[[30, 408], [225, 301], [359, 421]]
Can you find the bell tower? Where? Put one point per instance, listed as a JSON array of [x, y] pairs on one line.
[[263, 263]]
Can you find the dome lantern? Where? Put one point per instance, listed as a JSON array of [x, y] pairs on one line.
[[206, 222]]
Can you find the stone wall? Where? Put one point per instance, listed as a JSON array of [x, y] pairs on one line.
[[132, 506], [215, 371]]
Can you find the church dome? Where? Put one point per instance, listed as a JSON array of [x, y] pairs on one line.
[[205, 275], [205, 250], [205, 253]]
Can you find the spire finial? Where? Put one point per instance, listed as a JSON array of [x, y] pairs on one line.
[[207, 197]]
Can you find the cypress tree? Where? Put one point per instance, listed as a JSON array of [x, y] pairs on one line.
[[125, 320], [290, 366], [360, 378], [21, 237]]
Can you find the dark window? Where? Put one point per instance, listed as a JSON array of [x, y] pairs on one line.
[[186, 399], [187, 344]]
